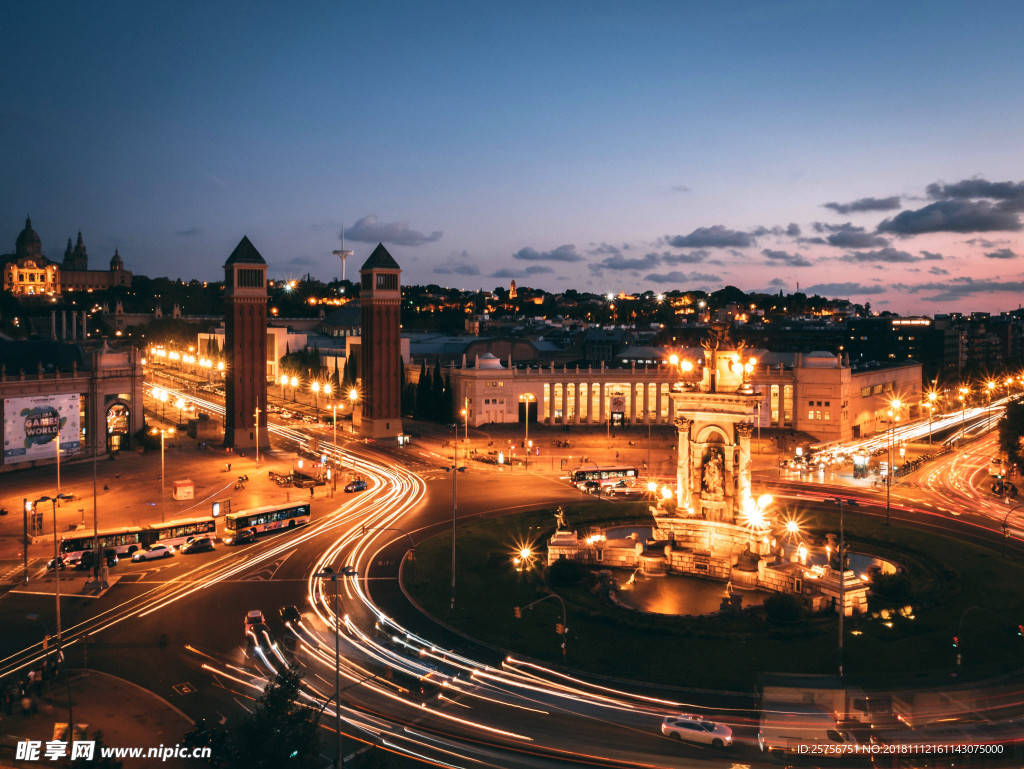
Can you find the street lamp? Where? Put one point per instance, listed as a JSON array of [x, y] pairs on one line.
[[990, 386], [315, 387], [163, 504], [842, 575], [454, 470], [294, 383], [284, 383], [964, 392], [528, 398], [56, 568], [894, 417], [353, 396], [334, 440], [932, 397], [334, 576], [256, 426]]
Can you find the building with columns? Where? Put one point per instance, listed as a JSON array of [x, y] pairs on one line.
[[815, 393]]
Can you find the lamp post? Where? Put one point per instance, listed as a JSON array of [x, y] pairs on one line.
[[932, 396], [256, 426], [315, 387], [465, 427], [163, 494], [842, 576], [894, 417], [294, 383], [454, 470], [990, 386], [964, 392], [528, 397], [284, 383], [353, 396], [334, 576], [56, 568]]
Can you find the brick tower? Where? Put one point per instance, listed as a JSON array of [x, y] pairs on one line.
[[245, 332], [380, 353]]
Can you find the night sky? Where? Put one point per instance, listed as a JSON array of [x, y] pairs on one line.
[[869, 150]]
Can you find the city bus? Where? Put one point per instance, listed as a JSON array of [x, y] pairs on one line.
[[125, 541], [177, 533], [260, 519], [606, 475]]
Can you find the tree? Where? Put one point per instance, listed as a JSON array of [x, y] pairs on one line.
[[280, 732], [1011, 433]]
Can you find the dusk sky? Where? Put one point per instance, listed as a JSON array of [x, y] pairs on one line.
[[870, 150]]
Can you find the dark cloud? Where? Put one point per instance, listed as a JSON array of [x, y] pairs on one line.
[[843, 289], [565, 253], [849, 236], [1002, 253], [784, 257], [303, 260], [506, 273], [889, 255], [190, 232], [955, 215], [959, 288], [711, 237], [680, 188], [537, 269], [937, 271], [457, 269], [620, 262], [369, 230], [932, 256], [1010, 194], [865, 204], [676, 276], [984, 243], [793, 230], [777, 282], [606, 249], [693, 257]]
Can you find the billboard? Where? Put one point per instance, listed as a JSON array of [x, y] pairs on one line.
[[31, 426]]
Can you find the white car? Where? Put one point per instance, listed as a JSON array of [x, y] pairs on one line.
[[151, 554], [626, 489], [697, 729]]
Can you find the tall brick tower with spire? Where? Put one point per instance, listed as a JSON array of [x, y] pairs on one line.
[[380, 352], [245, 332]]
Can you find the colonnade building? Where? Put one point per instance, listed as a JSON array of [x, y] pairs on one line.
[[817, 393]]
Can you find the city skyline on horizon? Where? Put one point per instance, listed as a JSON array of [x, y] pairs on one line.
[[575, 146]]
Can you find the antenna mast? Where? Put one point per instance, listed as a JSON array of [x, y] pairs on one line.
[[343, 253]]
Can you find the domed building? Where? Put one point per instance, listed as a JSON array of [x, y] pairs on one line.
[[27, 272]]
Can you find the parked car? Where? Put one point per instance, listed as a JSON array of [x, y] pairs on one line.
[[152, 553], [357, 485], [697, 729], [241, 537], [197, 545]]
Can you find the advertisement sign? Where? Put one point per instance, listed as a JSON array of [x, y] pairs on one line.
[[31, 426], [618, 403]]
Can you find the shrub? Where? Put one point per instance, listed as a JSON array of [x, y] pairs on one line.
[[891, 587], [783, 608], [565, 572]]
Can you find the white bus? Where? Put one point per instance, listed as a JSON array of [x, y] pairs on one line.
[[177, 533], [606, 475], [260, 519], [124, 540]]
